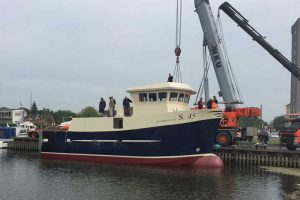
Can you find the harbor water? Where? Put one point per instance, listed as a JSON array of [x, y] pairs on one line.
[[27, 176]]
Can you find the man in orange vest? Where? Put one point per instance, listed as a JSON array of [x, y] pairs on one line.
[[214, 103]]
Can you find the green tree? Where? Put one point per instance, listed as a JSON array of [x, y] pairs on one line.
[[61, 115], [44, 118], [34, 108], [277, 122], [251, 121], [88, 112]]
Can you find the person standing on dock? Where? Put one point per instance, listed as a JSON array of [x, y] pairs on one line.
[[102, 106], [266, 138], [112, 104], [126, 105]]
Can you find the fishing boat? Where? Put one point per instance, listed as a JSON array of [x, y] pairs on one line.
[[161, 130]]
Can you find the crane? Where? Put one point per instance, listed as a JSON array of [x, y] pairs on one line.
[[229, 125], [211, 40], [290, 135], [256, 36]]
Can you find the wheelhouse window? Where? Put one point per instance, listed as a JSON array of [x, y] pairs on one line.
[[173, 96], [186, 98], [162, 96], [181, 98], [143, 97], [152, 97]]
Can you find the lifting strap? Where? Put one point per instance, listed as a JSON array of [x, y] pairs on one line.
[[177, 71]]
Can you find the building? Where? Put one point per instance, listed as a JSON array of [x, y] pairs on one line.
[[19, 115], [13, 115], [288, 109], [5, 115], [295, 84]]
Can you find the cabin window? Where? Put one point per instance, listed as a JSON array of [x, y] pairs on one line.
[[143, 97], [162, 96], [181, 98], [152, 97], [118, 122], [173, 96], [186, 98]]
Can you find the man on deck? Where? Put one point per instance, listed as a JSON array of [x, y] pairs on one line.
[[126, 105]]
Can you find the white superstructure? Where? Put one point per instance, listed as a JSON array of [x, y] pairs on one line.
[[160, 98], [154, 105]]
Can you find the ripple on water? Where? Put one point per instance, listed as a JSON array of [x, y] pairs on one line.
[[26, 176]]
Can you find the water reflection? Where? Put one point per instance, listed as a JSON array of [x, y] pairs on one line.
[[26, 176], [135, 182]]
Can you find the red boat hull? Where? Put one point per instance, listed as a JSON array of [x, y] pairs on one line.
[[198, 160]]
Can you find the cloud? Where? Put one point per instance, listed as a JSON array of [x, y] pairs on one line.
[[68, 53]]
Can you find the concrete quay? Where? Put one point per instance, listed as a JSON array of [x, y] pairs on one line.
[[248, 155]]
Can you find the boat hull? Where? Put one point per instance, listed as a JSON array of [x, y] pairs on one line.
[[4, 143], [175, 144], [202, 160]]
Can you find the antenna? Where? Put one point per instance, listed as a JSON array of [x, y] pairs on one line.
[[30, 100]]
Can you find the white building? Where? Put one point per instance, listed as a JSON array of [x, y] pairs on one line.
[[13, 115], [18, 115]]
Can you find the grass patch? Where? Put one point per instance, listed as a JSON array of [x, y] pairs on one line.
[[273, 141]]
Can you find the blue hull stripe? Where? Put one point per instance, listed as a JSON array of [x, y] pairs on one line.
[[172, 140]]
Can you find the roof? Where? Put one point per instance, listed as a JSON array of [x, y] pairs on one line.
[[12, 109], [294, 114], [4, 109], [163, 86]]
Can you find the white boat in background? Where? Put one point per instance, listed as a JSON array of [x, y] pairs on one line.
[[6, 134], [3, 144], [25, 129], [10, 131]]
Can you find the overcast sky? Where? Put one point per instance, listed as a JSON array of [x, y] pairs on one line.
[[69, 53]]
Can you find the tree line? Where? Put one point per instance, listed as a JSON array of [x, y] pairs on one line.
[[276, 123], [46, 116]]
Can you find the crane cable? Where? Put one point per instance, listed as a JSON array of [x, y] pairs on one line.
[[206, 65], [177, 72], [221, 34]]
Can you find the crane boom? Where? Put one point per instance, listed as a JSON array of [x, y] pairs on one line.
[[211, 39], [243, 23], [228, 127]]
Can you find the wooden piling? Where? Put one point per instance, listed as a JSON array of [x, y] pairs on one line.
[[24, 144], [259, 157]]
